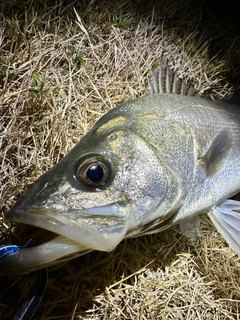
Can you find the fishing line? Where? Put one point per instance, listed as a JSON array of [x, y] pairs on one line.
[[29, 307]]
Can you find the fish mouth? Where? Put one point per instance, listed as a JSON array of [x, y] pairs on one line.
[[69, 234]]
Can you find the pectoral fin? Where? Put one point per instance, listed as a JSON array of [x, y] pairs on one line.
[[227, 221], [218, 153]]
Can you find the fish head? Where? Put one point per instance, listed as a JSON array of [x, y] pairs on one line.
[[98, 194]]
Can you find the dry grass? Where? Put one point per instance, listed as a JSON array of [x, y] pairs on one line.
[[61, 69]]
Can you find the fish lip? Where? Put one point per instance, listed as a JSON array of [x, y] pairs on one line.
[[78, 226], [73, 237], [28, 259]]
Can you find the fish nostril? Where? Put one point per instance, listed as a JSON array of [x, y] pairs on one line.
[[51, 183]]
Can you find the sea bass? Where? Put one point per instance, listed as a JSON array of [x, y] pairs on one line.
[[146, 165]]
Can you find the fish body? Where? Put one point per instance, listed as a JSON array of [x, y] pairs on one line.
[[146, 165]]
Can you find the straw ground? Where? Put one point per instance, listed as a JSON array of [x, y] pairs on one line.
[[63, 64]]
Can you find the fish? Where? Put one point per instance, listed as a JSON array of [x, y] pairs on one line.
[[148, 164]]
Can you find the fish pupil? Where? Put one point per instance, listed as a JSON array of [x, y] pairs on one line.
[[95, 173]]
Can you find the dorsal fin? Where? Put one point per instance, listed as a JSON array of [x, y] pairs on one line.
[[166, 80]]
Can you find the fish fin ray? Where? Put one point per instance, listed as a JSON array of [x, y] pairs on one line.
[[218, 153], [227, 222], [190, 227], [167, 80]]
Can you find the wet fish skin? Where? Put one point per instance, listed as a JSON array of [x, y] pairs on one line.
[[165, 158]]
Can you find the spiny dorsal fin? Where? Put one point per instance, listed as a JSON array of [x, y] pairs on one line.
[[218, 153], [166, 80]]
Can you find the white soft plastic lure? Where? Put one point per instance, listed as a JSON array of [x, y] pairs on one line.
[[146, 165]]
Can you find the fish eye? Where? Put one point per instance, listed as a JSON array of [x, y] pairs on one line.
[[94, 171]]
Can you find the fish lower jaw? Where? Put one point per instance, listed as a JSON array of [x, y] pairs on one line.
[[28, 259]]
